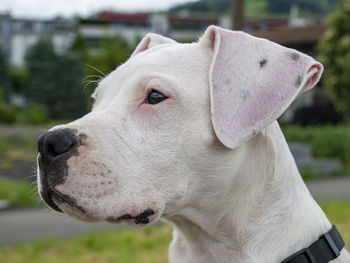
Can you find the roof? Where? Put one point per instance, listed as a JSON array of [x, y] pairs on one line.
[[123, 17], [309, 34], [269, 23], [193, 20]]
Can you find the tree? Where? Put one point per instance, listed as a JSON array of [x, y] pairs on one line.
[[41, 61], [334, 48], [3, 74], [112, 52], [71, 100], [203, 6], [55, 80], [79, 46], [308, 6]]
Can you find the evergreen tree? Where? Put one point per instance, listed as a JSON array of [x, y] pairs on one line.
[[3, 74], [41, 62], [334, 50], [55, 81], [71, 102]]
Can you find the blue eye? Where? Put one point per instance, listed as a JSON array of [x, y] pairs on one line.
[[155, 97]]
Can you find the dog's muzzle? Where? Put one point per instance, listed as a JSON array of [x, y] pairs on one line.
[[55, 148]]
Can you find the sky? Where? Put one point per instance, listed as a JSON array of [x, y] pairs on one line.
[[66, 8]]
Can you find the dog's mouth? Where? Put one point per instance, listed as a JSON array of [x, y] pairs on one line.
[[141, 219], [65, 204], [47, 198], [54, 198]]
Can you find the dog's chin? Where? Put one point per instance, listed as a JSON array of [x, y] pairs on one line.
[[137, 220]]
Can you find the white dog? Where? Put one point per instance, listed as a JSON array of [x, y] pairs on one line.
[[188, 133]]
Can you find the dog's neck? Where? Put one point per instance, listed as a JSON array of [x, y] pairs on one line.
[[264, 212]]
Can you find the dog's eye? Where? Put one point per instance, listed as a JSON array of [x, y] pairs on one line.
[[155, 97]]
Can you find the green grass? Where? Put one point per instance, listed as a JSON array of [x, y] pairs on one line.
[[129, 245], [19, 193], [339, 214], [149, 245]]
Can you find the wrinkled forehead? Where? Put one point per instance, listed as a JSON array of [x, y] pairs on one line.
[[175, 62]]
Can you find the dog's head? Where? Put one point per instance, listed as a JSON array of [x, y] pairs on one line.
[[165, 122]]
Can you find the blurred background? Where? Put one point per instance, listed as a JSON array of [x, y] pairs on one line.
[[54, 53]]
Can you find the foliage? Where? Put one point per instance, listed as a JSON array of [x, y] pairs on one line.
[[70, 101], [267, 7], [313, 6], [101, 59], [334, 49], [3, 74], [326, 141], [79, 46], [113, 51], [19, 193], [55, 80], [41, 61], [203, 6], [36, 114], [17, 77], [129, 245], [7, 112]]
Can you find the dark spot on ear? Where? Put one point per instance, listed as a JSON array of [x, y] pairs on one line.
[[298, 81], [294, 56], [262, 62]]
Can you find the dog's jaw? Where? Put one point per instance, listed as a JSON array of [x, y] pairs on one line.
[[269, 213]]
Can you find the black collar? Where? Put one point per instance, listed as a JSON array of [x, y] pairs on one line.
[[325, 249]]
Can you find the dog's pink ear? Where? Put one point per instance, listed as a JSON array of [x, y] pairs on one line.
[[252, 82], [151, 40]]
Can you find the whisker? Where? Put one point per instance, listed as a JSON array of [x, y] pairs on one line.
[[93, 76], [90, 82], [30, 176], [103, 74]]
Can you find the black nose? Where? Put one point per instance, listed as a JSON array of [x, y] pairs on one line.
[[56, 143]]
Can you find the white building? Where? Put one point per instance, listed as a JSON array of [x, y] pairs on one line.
[[17, 35]]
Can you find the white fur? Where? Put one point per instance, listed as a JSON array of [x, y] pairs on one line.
[[247, 204]]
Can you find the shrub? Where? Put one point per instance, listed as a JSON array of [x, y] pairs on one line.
[[7, 113], [325, 141], [18, 77], [36, 114]]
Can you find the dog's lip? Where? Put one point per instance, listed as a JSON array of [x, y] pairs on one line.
[[61, 198], [142, 218], [47, 198]]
